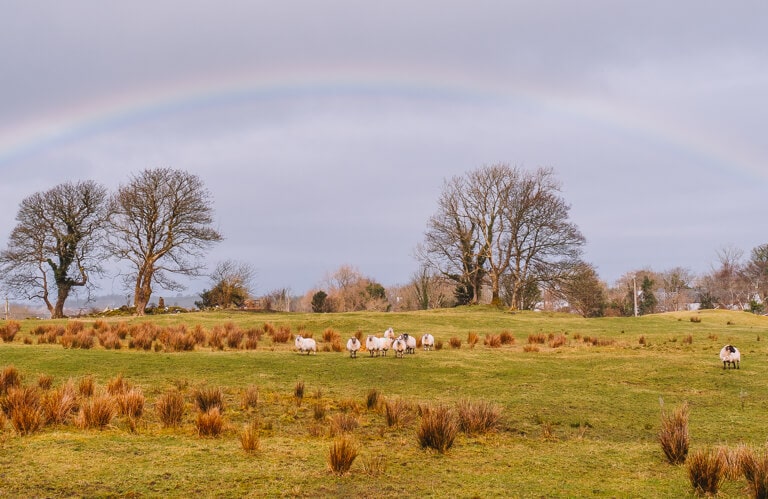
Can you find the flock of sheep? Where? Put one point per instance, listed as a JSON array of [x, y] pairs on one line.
[[377, 346], [405, 343]]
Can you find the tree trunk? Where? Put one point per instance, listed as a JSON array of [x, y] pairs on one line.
[[142, 293], [61, 297]]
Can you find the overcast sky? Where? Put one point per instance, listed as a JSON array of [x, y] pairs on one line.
[[325, 129]]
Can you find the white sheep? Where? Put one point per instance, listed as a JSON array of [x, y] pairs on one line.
[[353, 345], [306, 345], [372, 345], [389, 333], [399, 347], [730, 356], [428, 342], [384, 345], [410, 342]]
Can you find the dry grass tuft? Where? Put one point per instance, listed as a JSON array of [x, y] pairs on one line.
[[537, 339], [298, 392], [249, 398], [455, 342], [754, 468], [343, 423], [397, 412], [373, 399], [530, 348], [170, 408], [492, 340], [86, 386], [558, 341], [438, 429], [45, 381], [117, 385], [374, 465], [10, 377], [472, 339], [250, 439], [130, 403], [9, 330], [319, 411], [207, 398], [341, 455], [97, 412], [673, 435], [209, 423], [22, 405], [58, 405], [478, 417], [507, 338], [706, 471]]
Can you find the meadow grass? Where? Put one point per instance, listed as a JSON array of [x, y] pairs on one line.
[[581, 419]]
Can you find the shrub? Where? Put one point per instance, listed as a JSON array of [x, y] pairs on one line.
[[170, 408], [9, 378], [455, 342], [22, 405], [249, 397], [673, 435], [438, 429], [249, 437], [341, 455], [209, 423], [372, 400], [706, 470], [208, 398], [343, 423], [96, 413], [477, 417], [59, 404]]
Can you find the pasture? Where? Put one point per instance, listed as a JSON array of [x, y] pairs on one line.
[[579, 415]]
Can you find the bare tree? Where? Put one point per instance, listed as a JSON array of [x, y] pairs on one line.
[[231, 285], [429, 290], [55, 246], [161, 224], [584, 291], [507, 224], [674, 293]]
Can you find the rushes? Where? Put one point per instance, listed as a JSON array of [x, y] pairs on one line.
[[249, 437], [341, 455], [706, 470], [22, 405], [97, 412], [673, 436], [170, 408], [209, 423], [438, 429], [209, 398], [477, 417]]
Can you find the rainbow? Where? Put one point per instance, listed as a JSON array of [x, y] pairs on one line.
[[84, 119]]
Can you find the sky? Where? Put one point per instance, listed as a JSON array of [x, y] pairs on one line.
[[324, 130]]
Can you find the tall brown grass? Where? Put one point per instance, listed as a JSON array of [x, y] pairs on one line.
[[9, 330], [209, 423], [472, 339], [207, 398], [130, 403], [706, 471], [341, 455], [507, 338], [343, 423], [492, 340], [754, 467], [537, 339], [250, 439], [59, 404], [298, 392], [45, 381], [22, 405], [397, 412], [170, 408], [438, 429], [97, 412], [455, 342], [673, 435], [477, 417], [86, 386], [10, 377], [373, 399], [249, 398]]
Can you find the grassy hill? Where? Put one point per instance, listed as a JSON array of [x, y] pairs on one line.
[[580, 413]]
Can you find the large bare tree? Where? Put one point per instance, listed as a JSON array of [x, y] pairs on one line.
[[56, 243], [161, 224], [503, 224]]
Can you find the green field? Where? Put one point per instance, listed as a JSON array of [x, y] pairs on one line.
[[578, 420]]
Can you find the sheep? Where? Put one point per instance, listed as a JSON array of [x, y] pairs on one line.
[[372, 344], [399, 347], [410, 342], [428, 341], [730, 356], [306, 345], [353, 345], [384, 345], [389, 333]]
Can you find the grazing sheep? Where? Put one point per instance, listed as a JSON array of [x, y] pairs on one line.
[[399, 347], [372, 345], [353, 345], [306, 345], [389, 333], [730, 356], [410, 342], [384, 345], [428, 342]]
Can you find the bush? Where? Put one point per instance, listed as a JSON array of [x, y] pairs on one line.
[[209, 423], [170, 408], [341, 455], [673, 436], [438, 429], [706, 470]]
